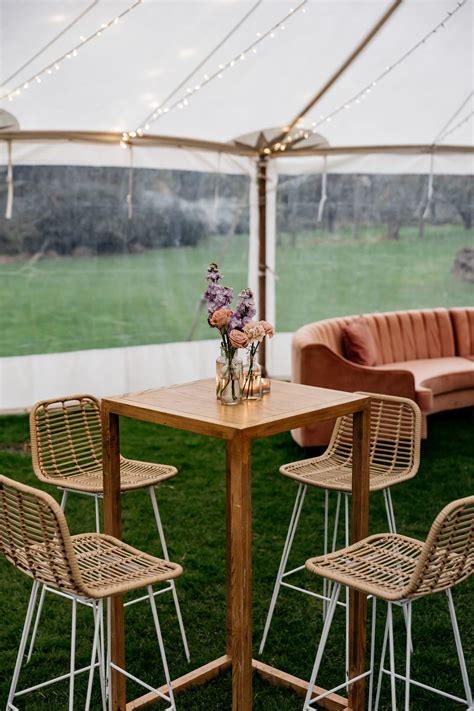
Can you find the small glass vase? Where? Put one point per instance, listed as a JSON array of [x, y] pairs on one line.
[[252, 387], [229, 380]]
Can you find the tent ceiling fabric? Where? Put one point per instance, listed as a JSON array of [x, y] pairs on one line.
[[116, 79]]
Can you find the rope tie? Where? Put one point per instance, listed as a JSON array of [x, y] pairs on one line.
[[324, 195]]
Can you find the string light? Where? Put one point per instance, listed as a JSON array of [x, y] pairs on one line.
[[73, 52], [455, 128], [367, 90], [221, 70]]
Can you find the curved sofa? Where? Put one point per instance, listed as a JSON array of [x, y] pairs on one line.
[[426, 355]]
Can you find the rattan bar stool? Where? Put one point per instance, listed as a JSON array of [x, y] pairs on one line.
[[66, 449], [399, 570], [86, 568], [395, 436]]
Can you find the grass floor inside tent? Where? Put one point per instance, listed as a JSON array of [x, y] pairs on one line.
[[193, 511]]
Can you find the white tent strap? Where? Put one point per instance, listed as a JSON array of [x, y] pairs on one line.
[[324, 194], [426, 213], [130, 184], [9, 180]]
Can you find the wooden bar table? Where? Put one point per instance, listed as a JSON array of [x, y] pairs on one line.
[[193, 407]]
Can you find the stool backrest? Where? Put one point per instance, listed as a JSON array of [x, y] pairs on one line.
[[66, 437], [35, 538], [448, 553], [395, 435]]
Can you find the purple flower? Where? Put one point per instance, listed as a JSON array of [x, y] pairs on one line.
[[217, 297], [244, 311], [213, 274]]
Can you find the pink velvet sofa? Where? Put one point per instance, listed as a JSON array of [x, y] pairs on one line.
[[425, 355]]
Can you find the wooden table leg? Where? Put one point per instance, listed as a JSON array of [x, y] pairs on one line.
[[113, 526], [239, 570], [360, 529]]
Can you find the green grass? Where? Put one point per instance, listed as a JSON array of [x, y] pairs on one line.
[[193, 511], [78, 303]]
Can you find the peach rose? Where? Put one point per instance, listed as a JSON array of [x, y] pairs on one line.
[[220, 318], [269, 330], [238, 339], [254, 331]]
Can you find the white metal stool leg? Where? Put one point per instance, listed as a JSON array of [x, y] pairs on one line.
[[161, 645], [390, 512], [97, 514], [23, 640], [73, 654], [382, 662], [393, 687], [346, 544], [408, 655], [322, 644], [42, 596], [372, 650], [300, 494], [96, 652], [334, 539], [161, 534], [457, 637], [325, 542]]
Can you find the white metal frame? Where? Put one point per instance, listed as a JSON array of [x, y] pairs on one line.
[[105, 665], [406, 606], [170, 586], [283, 573]]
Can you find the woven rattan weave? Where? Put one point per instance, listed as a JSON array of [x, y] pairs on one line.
[[66, 448], [395, 433], [35, 538], [395, 567]]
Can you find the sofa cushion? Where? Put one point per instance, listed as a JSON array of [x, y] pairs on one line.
[[436, 376], [359, 344]]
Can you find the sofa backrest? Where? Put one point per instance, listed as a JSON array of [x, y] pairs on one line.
[[399, 335], [463, 325], [411, 335]]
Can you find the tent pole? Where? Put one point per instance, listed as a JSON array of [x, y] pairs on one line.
[[354, 54], [262, 251]]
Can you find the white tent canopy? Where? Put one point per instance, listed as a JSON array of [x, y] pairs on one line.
[[119, 77], [417, 94]]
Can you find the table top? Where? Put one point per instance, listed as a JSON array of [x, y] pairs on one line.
[[193, 407]]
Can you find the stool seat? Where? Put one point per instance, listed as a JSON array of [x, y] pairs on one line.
[[133, 475], [106, 565], [380, 565], [333, 472]]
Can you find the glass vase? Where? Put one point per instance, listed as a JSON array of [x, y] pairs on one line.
[[229, 380], [252, 376]]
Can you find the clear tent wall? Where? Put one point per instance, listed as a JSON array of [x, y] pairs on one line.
[[103, 258]]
